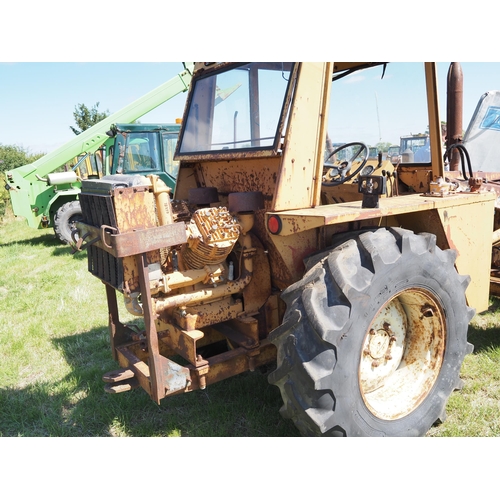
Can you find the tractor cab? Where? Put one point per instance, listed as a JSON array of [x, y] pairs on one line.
[[145, 150]]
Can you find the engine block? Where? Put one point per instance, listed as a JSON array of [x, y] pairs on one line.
[[212, 234]]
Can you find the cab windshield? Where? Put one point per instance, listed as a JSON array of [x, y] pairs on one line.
[[239, 108], [142, 153]]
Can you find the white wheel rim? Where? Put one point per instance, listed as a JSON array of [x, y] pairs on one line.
[[402, 354]]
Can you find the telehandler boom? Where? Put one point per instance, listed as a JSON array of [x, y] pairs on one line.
[[47, 196], [357, 278]]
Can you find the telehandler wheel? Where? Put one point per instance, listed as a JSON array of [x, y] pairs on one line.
[[65, 218], [373, 338]]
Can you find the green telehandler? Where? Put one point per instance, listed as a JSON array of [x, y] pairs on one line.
[[46, 191]]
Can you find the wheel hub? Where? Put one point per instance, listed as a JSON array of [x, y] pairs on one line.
[[379, 343], [383, 347]]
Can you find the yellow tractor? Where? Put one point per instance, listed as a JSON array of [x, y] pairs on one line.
[[355, 277]]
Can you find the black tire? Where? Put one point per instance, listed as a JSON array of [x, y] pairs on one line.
[[361, 326], [64, 220]]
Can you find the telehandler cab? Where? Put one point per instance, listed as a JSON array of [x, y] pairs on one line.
[[355, 277]]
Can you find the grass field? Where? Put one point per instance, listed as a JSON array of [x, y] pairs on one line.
[[54, 349]]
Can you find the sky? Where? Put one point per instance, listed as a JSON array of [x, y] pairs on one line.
[[380, 105], [51, 63], [37, 99]]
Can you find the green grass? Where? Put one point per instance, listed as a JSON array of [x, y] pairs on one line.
[[475, 410], [54, 349]]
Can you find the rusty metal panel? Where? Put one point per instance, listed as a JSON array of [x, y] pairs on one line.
[[133, 243], [495, 284], [146, 240], [272, 315], [258, 290], [174, 377], [155, 361], [185, 379], [209, 337], [467, 219], [298, 233], [469, 231], [243, 333], [293, 250], [119, 333], [434, 119], [201, 315], [239, 176], [417, 178], [182, 341], [249, 327], [135, 210], [296, 221], [234, 362], [127, 359], [297, 185]]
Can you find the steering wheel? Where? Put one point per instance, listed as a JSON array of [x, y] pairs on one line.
[[339, 174]]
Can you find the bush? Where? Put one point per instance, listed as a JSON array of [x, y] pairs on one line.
[[4, 197], [16, 156], [12, 157]]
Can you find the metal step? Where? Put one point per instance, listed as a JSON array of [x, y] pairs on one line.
[[118, 375], [117, 387]]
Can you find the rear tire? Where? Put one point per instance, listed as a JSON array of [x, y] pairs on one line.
[[373, 338], [65, 218]]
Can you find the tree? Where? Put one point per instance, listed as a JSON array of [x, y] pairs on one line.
[[383, 146], [86, 118]]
